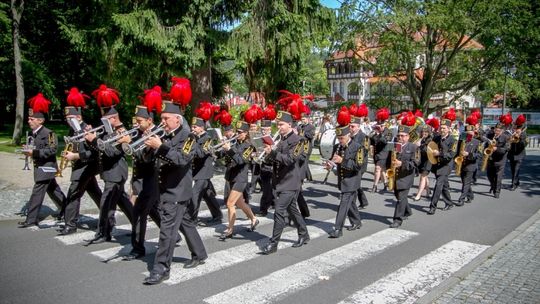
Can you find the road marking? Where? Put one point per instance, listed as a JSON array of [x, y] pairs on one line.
[[235, 255], [47, 224], [411, 282], [281, 283]]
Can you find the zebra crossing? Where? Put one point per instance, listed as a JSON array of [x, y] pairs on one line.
[[402, 285]]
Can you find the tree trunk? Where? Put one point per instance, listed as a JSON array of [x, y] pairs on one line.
[[201, 84], [17, 8]]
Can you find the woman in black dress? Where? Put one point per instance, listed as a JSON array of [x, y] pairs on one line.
[[424, 167]]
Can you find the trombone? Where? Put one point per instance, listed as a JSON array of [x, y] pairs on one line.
[[114, 140], [139, 145]]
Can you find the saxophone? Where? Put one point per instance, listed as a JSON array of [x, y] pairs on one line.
[[459, 159], [63, 161], [391, 173], [487, 153]]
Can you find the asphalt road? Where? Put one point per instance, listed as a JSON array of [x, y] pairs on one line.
[[36, 267]]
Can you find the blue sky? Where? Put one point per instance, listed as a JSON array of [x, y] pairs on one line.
[[331, 3]]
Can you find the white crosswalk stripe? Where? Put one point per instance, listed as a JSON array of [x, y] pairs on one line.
[[411, 282], [301, 275], [46, 224]]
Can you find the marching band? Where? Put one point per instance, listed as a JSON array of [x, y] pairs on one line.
[[173, 164]]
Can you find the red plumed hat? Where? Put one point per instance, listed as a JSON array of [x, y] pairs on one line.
[[253, 114], [293, 103], [106, 97], [450, 114], [152, 99], [477, 114], [180, 91], [418, 113], [205, 110], [223, 118], [269, 112], [382, 114], [76, 98], [39, 104], [520, 120], [343, 116], [506, 119], [434, 123], [408, 119], [362, 111], [472, 120]]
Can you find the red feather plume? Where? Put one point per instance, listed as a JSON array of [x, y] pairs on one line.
[[520, 120], [450, 114], [253, 114], [471, 120], [39, 103], [181, 91], [434, 123], [270, 112], [477, 114], [204, 111], [382, 114], [223, 118], [418, 113], [76, 99], [353, 109], [362, 111], [289, 101], [506, 119], [343, 116], [408, 119], [106, 97], [153, 99]]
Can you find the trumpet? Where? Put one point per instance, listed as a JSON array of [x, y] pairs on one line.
[[261, 155], [80, 137], [114, 140], [138, 145], [216, 147]]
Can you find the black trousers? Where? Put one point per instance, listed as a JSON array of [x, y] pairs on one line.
[[466, 187], [347, 207], [267, 197], [286, 206], [515, 165], [442, 186], [302, 205], [403, 208], [201, 190], [361, 195], [50, 187], [146, 205], [173, 217], [495, 172], [76, 190], [113, 194]]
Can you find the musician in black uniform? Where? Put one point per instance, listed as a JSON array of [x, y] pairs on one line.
[[497, 160], [381, 135], [174, 154], [43, 155], [287, 182], [300, 129], [254, 167], [516, 154], [406, 163], [83, 173], [424, 166], [471, 153], [348, 156], [307, 131], [445, 155], [114, 172], [267, 198], [237, 157], [203, 170], [364, 142]]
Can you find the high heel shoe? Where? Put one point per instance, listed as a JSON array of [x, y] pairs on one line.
[[226, 235], [416, 199], [374, 189], [253, 226]]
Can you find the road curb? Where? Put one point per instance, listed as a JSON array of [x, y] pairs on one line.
[[461, 274]]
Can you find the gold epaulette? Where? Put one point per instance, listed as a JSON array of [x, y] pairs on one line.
[[52, 140], [188, 145], [306, 146], [247, 152], [298, 148], [366, 143], [417, 155], [454, 147], [360, 156], [207, 143]]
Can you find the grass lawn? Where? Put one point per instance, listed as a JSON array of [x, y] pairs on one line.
[[6, 133]]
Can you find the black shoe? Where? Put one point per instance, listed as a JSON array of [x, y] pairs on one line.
[[253, 226], [374, 188], [303, 240], [496, 195], [155, 278], [262, 213], [354, 227], [133, 256], [335, 234], [26, 224], [459, 203], [226, 235], [271, 247], [448, 207], [431, 211], [395, 224], [98, 239], [194, 263], [513, 188], [67, 231]]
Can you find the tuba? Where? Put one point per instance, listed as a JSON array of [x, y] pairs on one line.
[[459, 159]]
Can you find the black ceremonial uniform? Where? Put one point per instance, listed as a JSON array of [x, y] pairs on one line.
[[349, 177], [203, 170], [443, 167], [307, 131], [364, 142], [45, 166], [404, 181], [114, 172], [469, 166], [287, 181], [174, 160], [378, 141], [496, 162], [267, 197], [237, 161], [424, 166], [83, 178], [516, 154]]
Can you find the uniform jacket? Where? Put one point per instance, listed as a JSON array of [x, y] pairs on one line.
[[174, 161], [409, 157], [44, 154], [307, 133], [379, 141], [517, 150], [447, 150], [112, 160], [364, 141], [202, 162], [237, 160], [286, 163], [474, 148], [349, 170], [499, 155], [87, 164]]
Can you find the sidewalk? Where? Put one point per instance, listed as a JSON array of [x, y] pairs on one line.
[[508, 272]]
